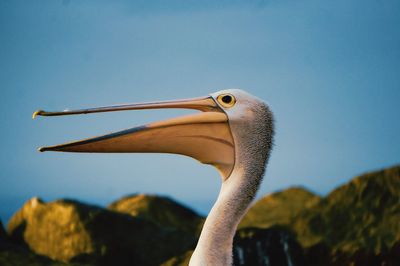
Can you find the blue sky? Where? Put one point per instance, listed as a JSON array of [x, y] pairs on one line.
[[330, 71]]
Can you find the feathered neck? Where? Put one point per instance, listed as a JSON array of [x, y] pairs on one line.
[[215, 243]]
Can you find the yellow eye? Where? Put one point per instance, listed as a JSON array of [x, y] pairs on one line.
[[226, 100]]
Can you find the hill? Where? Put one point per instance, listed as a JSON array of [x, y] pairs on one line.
[[362, 214], [356, 224], [74, 232], [162, 211], [279, 208]]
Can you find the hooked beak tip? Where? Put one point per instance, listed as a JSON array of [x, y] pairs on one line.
[[36, 113]]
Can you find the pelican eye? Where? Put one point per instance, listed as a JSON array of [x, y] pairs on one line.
[[226, 100]]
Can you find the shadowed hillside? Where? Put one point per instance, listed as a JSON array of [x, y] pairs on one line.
[[356, 224]]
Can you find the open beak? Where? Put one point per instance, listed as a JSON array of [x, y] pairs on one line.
[[205, 136]]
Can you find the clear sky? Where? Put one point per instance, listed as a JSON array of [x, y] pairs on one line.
[[330, 71]]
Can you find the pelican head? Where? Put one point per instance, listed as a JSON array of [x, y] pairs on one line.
[[233, 132], [233, 129]]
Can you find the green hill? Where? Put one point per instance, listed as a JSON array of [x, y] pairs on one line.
[[362, 214]]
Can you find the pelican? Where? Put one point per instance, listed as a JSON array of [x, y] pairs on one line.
[[233, 132]]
